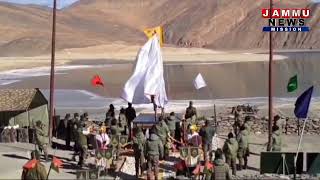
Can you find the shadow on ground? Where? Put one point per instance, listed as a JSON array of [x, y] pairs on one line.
[[15, 156], [125, 175]]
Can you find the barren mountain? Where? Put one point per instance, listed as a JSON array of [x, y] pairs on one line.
[[217, 24]]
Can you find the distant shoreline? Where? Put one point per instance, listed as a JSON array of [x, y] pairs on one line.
[[120, 53]]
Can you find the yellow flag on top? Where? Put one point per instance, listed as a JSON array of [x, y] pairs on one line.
[[150, 32]]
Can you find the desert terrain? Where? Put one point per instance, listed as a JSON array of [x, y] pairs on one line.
[[215, 24]]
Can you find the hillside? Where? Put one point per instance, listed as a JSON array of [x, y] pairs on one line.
[[216, 24]]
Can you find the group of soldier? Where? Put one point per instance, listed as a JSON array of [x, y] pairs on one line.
[[162, 136], [237, 144], [77, 128], [237, 147], [154, 146]]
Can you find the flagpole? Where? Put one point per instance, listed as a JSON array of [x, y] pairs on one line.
[[49, 171], [154, 108], [298, 148], [53, 45], [270, 83]]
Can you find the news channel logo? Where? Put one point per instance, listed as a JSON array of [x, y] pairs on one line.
[[286, 20]]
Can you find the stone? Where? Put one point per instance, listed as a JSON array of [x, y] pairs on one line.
[[257, 133]]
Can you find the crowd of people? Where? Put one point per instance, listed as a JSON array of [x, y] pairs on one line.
[[78, 128], [154, 144]]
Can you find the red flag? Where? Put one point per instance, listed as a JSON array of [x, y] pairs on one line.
[[96, 81], [198, 170], [30, 164], [56, 164], [209, 166]]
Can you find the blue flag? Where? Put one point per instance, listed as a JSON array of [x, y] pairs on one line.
[[302, 103]]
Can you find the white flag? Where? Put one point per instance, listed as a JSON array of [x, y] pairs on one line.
[[147, 78], [199, 82]]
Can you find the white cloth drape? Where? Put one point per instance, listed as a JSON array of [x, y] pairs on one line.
[[147, 78]]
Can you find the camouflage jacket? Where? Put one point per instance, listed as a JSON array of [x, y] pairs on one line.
[[230, 148], [162, 131], [221, 170], [41, 136], [190, 111], [171, 123], [116, 130], [154, 146], [243, 139], [276, 141], [139, 142]]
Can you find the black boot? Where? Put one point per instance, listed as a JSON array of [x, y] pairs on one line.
[[245, 165]]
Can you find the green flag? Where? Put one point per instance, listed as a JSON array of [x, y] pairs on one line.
[[292, 84]]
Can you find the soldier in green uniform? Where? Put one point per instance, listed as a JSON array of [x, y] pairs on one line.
[[116, 128], [246, 124], [221, 170], [83, 146], [207, 132], [237, 120], [163, 132], [230, 149], [42, 138], [276, 139], [110, 114], [191, 112], [76, 124], [280, 122], [243, 151], [85, 116], [123, 121], [130, 115], [153, 152], [171, 123], [38, 172], [138, 148]]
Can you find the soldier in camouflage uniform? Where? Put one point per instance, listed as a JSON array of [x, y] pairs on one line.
[[116, 128], [276, 139], [280, 122], [85, 116], [76, 124], [207, 132], [243, 151], [39, 172], [246, 124], [138, 148], [42, 138], [163, 132], [237, 120], [191, 112], [130, 115], [171, 123], [230, 150], [153, 152], [221, 170], [83, 146], [110, 115], [123, 121]]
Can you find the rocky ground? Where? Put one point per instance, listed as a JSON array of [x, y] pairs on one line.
[[259, 123], [260, 126]]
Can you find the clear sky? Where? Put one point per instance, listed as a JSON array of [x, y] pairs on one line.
[[60, 3]]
